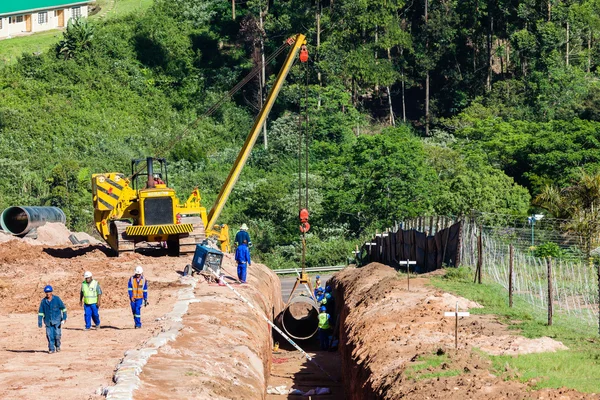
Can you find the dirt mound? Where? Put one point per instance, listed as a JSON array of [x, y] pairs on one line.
[[386, 331], [18, 251]]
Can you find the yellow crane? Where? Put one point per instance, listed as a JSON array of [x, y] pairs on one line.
[[142, 207]]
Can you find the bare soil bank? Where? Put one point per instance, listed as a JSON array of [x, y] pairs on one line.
[[385, 329]]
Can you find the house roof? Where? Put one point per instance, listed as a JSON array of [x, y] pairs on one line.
[[24, 6]]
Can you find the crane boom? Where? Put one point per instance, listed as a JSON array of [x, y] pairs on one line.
[[244, 153]]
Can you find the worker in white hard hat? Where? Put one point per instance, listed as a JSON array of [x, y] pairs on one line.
[[243, 235], [90, 298], [138, 295]]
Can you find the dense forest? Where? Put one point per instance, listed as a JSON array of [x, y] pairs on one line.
[[412, 108]]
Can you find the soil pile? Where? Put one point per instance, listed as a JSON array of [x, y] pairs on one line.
[[385, 329]]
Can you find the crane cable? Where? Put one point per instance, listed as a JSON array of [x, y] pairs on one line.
[[303, 133], [251, 75]]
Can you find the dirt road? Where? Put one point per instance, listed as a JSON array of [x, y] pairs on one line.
[[88, 358]]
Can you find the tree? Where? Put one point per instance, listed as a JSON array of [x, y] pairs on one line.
[[580, 204], [77, 38]]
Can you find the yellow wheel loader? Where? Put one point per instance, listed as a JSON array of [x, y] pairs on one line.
[[129, 210]]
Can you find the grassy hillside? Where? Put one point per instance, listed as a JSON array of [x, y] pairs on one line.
[[12, 49]]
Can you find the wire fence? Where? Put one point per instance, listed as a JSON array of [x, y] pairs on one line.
[[574, 280]]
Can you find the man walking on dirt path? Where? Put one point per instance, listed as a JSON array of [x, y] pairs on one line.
[[242, 256], [90, 298], [54, 313], [243, 235], [138, 295], [324, 328]]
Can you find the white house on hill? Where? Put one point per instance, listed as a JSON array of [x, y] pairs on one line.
[[30, 16]]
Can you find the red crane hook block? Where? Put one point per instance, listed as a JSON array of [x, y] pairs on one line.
[[303, 54], [304, 225]]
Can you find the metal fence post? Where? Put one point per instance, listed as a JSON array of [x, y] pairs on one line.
[[510, 273], [550, 294]]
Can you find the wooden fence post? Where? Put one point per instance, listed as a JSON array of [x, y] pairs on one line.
[[510, 275], [479, 258], [550, 294]]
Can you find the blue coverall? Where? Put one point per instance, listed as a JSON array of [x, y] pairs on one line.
[[53, 313], [136, 298], [242, 256], [241, 236]]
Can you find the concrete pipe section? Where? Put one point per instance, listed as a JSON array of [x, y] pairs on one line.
[[300, 318], [19, 220]]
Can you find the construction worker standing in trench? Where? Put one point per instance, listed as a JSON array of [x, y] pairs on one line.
[[89, 298], [54, 313], [138, 295], [324, 328]]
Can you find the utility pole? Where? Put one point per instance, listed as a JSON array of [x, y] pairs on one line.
[[427, 76]]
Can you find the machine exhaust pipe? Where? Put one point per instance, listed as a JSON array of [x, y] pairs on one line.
[[150, 166], [19, 220], [300, 318]]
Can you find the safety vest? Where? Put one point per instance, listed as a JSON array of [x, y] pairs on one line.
[[90, 292], [138, 288], [324, 321]]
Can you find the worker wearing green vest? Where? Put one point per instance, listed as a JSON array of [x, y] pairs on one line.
[[324, 328], [90, 299]]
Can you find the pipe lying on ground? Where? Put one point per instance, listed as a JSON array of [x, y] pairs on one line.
[[19, 220], [300, 318]]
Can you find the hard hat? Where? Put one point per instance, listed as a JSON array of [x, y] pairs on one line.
[[48, 289], [87, 274], [323, 308], [244, 227], [156, 176], [328, 289], [139, 270]]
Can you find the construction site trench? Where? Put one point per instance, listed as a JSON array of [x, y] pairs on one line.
[[199, 340]]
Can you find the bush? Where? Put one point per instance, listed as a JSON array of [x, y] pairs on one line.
[[548, 249]]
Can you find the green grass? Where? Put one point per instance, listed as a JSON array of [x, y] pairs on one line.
[[12, 49], [577, 368], [431, 366], [124, 7]]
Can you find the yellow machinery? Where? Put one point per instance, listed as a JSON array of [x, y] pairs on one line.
[[125, 213]]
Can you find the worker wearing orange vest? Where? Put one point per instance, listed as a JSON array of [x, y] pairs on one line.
[[138, 295]]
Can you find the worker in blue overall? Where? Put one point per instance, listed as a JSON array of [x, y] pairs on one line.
[[138, 295], [54, 313], [242, 256], [243, 235], [89, 297]]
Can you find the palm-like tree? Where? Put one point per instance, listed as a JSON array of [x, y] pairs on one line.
[[580, 205], [77, 37]]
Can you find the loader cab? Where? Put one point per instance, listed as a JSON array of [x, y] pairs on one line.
[[145, 171], [156, 200]]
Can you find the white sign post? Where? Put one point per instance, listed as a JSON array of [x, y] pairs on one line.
[[408, 264], [456, 314]]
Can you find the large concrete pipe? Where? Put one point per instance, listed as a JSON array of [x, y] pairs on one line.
[[19, 220], [300, 318]]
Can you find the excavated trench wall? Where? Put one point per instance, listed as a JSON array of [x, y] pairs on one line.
[[224, 348], [355, 289]]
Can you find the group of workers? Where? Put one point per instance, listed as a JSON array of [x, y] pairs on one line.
[[326, 302], [53, 312]]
